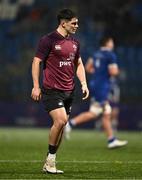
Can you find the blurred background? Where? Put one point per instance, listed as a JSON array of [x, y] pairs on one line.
[[23, 22]]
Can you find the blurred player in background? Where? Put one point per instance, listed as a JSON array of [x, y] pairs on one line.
[[61, 58], [102, 67], [114, 99]]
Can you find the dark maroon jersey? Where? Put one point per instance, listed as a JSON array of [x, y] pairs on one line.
[[60, 57]]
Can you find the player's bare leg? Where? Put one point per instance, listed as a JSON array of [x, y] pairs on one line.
[[59, 139], [61, 136], [59, 118], [106, 120], [114, 118], [83, 117], [112, 141]]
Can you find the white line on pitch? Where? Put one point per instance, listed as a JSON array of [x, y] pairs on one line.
[[90, 162]]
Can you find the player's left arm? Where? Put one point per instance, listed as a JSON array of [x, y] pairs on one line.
[[89, 66], [113, 67], [82, 78]]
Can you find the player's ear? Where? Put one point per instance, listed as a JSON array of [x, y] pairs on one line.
[[63, 22]]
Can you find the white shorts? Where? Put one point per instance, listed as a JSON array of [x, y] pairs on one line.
[[98, 109]]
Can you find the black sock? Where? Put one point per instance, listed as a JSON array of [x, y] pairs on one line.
[[52, 149]]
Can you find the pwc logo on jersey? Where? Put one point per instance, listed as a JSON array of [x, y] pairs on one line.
[[68, 61], [64, 63]]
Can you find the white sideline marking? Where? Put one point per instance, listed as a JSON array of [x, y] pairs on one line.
[[88, 162]]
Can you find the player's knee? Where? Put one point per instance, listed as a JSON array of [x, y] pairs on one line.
[[60, 123], [107, 109], [96, 109]]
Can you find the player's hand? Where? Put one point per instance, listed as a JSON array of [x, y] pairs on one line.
[[36, 94], [85, 90]]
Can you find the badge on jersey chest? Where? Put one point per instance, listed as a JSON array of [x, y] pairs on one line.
[[74, 47], [58, 47], [71, 57]]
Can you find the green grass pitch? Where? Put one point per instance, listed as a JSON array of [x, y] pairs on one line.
[[84, 156]]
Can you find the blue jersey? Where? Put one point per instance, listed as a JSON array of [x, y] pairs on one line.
[[100, 80]]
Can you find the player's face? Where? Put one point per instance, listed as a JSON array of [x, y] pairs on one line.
[[71, 26], [110, 44]]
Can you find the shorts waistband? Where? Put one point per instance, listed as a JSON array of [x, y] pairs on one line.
[[56, 90]]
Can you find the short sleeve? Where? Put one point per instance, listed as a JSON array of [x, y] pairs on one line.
[[112, 59], [43, 48]]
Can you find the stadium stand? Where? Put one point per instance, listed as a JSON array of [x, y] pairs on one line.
[[23, 22]]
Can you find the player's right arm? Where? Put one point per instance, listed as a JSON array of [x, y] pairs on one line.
[[36, 91], [113, 69], [89, 66], [41, 54]]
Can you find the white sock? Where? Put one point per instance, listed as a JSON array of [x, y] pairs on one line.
[[52, 156], [73, 122]]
